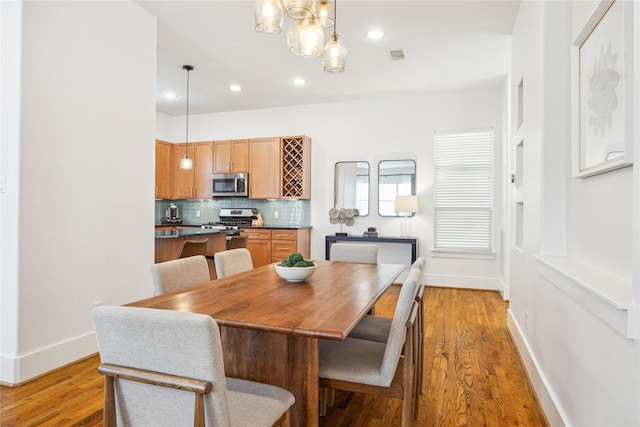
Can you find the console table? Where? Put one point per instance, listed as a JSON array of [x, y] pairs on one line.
[[413, 241]]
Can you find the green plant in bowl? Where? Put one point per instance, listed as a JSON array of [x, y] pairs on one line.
[[295, 268]]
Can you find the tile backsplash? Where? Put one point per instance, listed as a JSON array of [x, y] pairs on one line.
[[289, 212]]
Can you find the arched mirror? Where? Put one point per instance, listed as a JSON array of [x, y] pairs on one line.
[[395, 178], [352, 186]]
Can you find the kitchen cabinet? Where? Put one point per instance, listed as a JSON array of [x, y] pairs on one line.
[[163, 170], [202, 167], [274, 245], [295, 167], [195, 182], [259, 245], [231, 156], [182, 178], [280, 168], [264, 168]]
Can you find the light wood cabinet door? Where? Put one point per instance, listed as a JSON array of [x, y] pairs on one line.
[[264, 168], [183, 179], [163, 170], [259, 245], [202, 167], [231, 156]]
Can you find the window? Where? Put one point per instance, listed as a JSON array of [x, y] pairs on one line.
[[463, 191]]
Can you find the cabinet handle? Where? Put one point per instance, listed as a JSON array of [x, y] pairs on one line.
[[283, 249], [282, 234]]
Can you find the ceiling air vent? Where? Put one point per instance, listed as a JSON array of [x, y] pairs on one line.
[[396, 55]]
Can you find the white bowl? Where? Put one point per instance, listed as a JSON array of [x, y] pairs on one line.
[[295, 274]]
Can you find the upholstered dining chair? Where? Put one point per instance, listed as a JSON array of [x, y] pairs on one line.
[[354, 252], [232, 261], [156, 361], [377, 328], [385, 369], [179, 273], [193, 247]]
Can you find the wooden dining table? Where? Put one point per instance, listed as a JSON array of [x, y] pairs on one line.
[[270, 328]]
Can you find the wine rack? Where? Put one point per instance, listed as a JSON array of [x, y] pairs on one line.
[[296, 167]]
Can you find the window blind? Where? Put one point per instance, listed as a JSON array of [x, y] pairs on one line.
[[463, 191]]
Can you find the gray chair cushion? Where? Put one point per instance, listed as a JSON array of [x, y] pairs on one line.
[[177, 274], [184, 344], [372, 328], [232, 261], [371, 362]]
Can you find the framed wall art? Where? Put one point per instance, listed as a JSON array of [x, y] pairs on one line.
[[602, 75]]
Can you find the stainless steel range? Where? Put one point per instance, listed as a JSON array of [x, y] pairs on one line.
[[232, 220]]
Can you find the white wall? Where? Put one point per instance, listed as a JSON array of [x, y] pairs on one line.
[[581, 349], [375, 130], [86, 170]]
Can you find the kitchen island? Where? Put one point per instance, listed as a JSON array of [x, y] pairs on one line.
[[169, 243]]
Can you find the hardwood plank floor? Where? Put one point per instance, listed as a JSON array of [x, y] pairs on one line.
[[473, 376]]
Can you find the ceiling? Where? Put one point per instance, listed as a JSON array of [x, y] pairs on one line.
[[447, 45]]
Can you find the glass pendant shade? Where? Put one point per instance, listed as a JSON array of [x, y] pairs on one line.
[[292, 37], [324, 13], [186, 162], [268, 16], [334, 56], [310, 38], [298, 9]]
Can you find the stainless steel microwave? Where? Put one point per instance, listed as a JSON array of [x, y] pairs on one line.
[[229, 184]]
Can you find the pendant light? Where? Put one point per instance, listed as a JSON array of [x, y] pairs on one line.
[[186, 162], [268, 16], [334, 55]]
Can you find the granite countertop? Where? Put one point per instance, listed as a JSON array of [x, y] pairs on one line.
[[280, 227], [185, 232]]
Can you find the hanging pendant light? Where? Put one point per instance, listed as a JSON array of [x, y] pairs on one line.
[[324, 13], [268, 16], [186, 162], [298, 9], [334, 55], [292, 37], [310, 38]]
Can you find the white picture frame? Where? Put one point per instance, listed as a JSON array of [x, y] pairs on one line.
[[602, 90]]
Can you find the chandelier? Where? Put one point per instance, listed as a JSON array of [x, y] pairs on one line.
[[305, 35]]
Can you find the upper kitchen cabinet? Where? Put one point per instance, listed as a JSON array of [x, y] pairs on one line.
[[202, 167], [196, 182], [163, 170], [182, 178], [280, 168], [231, 156], [296, 167], [264, 168]]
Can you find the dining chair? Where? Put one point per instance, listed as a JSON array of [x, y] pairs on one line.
[[193, 247], [232, 261], [377, 328], [354, 252], [155, 361], [179, 273], [237, 242], [370, 367]]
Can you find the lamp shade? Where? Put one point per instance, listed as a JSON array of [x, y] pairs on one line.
[[406, 204]]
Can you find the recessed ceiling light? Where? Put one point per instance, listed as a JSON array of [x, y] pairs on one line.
[[235, 88], [375, 34], [299, 81], [170, 95]]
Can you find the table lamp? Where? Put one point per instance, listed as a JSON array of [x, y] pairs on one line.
[[406, 205]]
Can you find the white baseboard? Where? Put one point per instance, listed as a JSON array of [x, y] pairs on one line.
[[538, 379], [16, 370], [466, 282]]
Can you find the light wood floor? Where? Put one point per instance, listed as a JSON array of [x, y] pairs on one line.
[[473, 376]]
